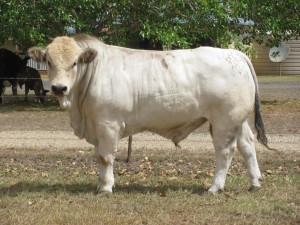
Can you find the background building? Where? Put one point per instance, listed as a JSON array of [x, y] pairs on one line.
[[290, 66]]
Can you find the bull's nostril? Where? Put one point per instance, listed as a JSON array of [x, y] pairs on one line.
[[58, 90]]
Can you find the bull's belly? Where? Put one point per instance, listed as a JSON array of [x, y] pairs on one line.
[[178, 133], [175, 130], [171, 116], [169, 121]]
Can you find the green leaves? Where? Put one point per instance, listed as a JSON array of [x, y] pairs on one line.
[[173, 24], [273, 21]]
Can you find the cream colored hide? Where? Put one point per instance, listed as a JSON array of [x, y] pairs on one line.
[[112, 92]]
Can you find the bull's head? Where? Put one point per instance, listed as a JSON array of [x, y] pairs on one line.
[[63, 57]]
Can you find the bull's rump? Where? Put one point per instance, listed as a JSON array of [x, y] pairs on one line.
[[164, 90]]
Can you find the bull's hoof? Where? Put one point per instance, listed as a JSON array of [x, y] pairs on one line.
[[214, 190], [100, 192], [103, 191], [254, 189]]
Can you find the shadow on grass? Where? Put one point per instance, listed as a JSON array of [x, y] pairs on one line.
[[78, 188], [34, 187], [160, 189]]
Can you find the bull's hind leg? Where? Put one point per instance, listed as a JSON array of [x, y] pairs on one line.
[[224, 144], [245, 144]]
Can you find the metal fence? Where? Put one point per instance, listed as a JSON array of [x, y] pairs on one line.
[[36, 65]]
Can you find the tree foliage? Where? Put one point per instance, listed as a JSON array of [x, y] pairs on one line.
[[277, 20], [173, 24]]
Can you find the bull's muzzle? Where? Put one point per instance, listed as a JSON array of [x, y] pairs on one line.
[[59, 90]]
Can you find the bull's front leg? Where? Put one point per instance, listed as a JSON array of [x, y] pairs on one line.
[[1, 92], [26, 93], [106, 175], [14, 89], [108, 138]]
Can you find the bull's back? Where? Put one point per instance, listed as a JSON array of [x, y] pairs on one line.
[[204, 75]]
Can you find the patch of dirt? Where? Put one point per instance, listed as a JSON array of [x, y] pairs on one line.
[[39, 129]]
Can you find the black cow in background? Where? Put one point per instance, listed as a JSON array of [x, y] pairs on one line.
[[10, 65], [32, 80]]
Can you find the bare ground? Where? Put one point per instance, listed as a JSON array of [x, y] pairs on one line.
[[40, 129]]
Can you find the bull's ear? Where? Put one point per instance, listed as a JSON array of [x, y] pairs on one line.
[[38, 54], [87, 56]]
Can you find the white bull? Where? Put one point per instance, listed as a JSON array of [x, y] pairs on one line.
[[112, 92]]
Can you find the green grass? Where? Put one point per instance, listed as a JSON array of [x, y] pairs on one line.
[[291, 103], [295, 78], [51, 104], [58, 188]]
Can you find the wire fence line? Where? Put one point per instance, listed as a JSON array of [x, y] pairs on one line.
[[29, 96], [8, 95], [21, 78]]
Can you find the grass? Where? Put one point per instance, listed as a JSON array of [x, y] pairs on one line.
[[58, 188], [51, 104], [295, 78], [283, 104]]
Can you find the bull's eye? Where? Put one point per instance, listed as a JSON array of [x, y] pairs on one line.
[[74, 64]]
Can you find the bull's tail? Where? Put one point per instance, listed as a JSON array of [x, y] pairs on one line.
[[258, 120], [259, 123]]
